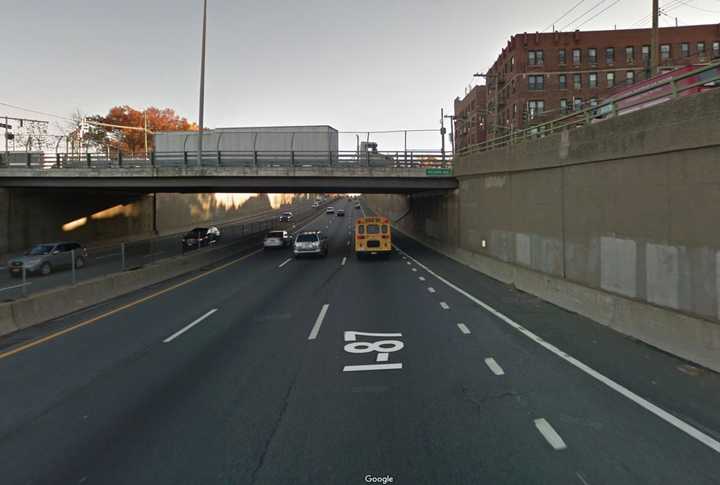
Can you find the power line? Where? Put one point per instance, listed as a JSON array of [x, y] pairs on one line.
[[699, 8], [563, 15], [596, 5], [35, 111], [600, 12]]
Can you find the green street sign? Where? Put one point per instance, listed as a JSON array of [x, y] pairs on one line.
[[438, 172]]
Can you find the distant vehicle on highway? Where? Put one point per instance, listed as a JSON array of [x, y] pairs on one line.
[[340, 213], [45, 258], [286, 217], [357, 206], [316, 205], [200, 236], [277, 239], [330, 210], [372, 236], [314, 242]]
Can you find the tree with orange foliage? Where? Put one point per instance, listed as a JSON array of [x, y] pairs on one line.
[[132, 141]]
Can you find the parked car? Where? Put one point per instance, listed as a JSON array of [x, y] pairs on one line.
[[315, 205], [330, 210], [286, 217], [314, 242], [200, 236], [277, 239], [48, 257], [340, 213]]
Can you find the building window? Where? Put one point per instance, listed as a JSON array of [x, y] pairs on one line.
[[716, 49], [536, 83], [577, 81], [535, 108], [592, 55], [563, 106], [629, 54], [610, 76], [609, 55], [629, 77], [561, 57], [514, 110], [645, 53], [577, 104], [562, 80], [535, 58], [701, 48], [576, 56], [685, 49], [512, 64], [592, 80], [664, 52]]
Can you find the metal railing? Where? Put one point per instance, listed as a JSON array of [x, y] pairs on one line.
[[236, 158], [612, 106]]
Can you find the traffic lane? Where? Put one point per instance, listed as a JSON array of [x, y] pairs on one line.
[[676, 385], [199, 410], [441, 418], [607, 434], [106, 260], [41, 374]]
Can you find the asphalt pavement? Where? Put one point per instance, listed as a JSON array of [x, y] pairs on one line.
[[412, 369], [104, 260]]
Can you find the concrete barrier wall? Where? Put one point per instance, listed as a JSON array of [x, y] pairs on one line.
[[615, 221]]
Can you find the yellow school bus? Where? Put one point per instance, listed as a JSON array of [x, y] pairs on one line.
[[372, 236]]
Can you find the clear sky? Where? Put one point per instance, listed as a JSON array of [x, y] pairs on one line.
[[352, 64]]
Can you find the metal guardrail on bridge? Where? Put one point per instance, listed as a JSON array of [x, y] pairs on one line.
[[612, 106], [226, 158]]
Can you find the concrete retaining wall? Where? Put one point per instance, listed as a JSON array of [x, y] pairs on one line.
[[616, 221]]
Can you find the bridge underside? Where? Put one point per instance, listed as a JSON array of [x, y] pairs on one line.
[[209, 180]]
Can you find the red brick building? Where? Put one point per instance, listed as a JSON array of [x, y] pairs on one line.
[[542, 75], [470, 117]]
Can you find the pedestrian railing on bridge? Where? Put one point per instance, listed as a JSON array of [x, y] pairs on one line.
[[231, 158]]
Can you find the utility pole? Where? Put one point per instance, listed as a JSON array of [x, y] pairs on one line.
[[442, 134], [452, 133], [202, 87], [145, 126], [654, 56]]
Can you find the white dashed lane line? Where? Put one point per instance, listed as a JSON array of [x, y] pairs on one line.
[[494, 367], [463, 328], [188, 327], [444, 305], [344, 260], [550, 435], [421, 278], [431, 289], [414, 269], [284, 262], [678, 423], [318, 322]]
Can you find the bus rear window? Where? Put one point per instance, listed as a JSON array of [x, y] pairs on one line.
[[373, 229]]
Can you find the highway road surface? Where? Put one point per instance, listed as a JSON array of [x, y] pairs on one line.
[[410, 370], [107, 259]]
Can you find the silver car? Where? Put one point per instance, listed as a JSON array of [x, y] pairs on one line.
[[314, 242], [48, 257], [277, 239]]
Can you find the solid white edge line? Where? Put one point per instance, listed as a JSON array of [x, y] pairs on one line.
[[463, 328], [355, 368], [16, 286], [188, 327], [344, 260], [284, 263], [444, 305], [550, 435], [494, 366], [619, 388], [316, 328], [104, 256]]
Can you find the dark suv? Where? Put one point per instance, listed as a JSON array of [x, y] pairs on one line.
[[199, 237], [48, 257]]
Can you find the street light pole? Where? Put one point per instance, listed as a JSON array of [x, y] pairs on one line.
[[202, 87]]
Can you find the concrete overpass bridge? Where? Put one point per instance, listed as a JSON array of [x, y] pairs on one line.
[[386, 172]]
